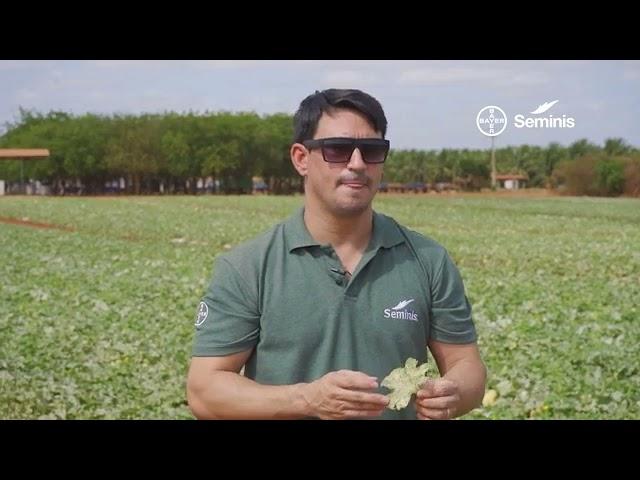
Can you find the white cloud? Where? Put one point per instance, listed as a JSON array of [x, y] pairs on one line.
[[97, 95], [528, 79], [118, 64], [172, 64], [595, 106], [26, 95], [480, 74], [233, 64], [631, 73], [346, 78], [439, 76], [8, 65]]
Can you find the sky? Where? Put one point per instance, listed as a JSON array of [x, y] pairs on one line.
[[429, 104]]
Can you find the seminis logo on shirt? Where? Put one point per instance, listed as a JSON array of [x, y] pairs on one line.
[[401, 312]]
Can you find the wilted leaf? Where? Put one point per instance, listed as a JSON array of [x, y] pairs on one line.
[[404, 382], [504, 387], [489, 398]]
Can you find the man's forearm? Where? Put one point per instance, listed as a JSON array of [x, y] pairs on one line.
[[229, 395], [471, 379]]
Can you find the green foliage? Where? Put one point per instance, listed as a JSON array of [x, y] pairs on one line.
[[598, 176], [149, 149], [610, 176], [98, 323], [177, 149]]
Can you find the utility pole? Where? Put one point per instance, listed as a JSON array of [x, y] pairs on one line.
[[493, 164]]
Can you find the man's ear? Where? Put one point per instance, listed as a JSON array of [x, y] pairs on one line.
[[299, 158]]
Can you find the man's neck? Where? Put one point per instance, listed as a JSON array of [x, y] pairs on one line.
[[353, 232]]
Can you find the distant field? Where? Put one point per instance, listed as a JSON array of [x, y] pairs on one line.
[[98, 297]]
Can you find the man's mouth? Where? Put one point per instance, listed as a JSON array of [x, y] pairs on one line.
[[354, 184]]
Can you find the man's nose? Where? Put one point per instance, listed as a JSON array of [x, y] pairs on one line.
[[356, 162]]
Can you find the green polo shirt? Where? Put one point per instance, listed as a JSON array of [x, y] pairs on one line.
[[284, 295]]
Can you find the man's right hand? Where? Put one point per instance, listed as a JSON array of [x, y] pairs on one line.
[[343, 395]]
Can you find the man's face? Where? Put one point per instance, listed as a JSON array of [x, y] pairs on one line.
[[346, 188]]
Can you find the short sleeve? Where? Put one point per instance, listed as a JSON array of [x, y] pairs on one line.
[[451, 318], [227, 320]]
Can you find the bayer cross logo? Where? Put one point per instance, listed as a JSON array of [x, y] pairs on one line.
[[491, 121], [203, 312]]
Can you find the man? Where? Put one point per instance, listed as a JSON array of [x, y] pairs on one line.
[[319, 309]]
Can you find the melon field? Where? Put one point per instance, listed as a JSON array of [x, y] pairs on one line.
[[98, 298]]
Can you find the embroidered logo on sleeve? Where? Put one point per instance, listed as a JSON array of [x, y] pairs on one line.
[[203, 313]]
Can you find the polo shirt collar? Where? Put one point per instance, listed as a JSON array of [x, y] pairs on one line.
[[386, 232]]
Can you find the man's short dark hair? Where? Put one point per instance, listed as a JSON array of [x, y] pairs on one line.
[[305, 121]]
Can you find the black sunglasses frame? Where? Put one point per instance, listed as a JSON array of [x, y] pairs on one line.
[[359, 143]]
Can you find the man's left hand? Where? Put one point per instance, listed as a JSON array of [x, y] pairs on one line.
[[437, 399]]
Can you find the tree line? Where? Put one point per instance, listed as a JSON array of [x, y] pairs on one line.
[[181, 153]]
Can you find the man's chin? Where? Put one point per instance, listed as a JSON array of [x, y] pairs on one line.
[[352, 208]]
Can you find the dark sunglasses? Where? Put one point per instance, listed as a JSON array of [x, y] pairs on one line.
[[340, 149]]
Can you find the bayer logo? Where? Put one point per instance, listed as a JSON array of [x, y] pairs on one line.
[[491, 121], [203, 312]]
